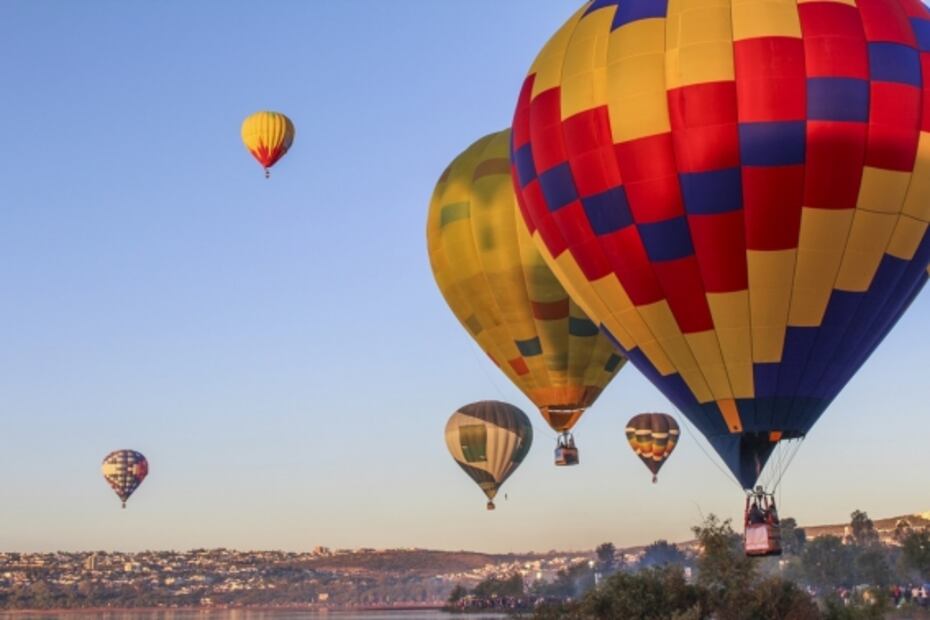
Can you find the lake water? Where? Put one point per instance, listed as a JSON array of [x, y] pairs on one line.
[[243, 614]]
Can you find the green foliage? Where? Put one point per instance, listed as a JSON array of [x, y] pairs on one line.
[[872, 567], [862, 529], [606, 555], [776, 598], [458, 593], [494, 587], [661, 553], [653, 593], [915, 552], [722, 565], [568, 583], [826, 562], [793, 537]]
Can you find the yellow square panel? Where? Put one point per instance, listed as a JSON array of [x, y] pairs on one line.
[[706, 350], [639, 38], [917, 201], [696, 383], [753, 19], [583, 70], [868, 239], [821, 245], [700, 42], [699, 64], [583, 92], [771, 275], [905, 239], [658, 316], [637, 102], [846, 2], [742, 380], [548, 64], [730, 312], [729, 309], [882, 191]]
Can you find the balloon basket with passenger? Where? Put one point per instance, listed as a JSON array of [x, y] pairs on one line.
[[762, 535], [566, 453]]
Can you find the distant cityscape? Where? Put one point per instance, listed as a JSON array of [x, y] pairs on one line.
[[321, 579]]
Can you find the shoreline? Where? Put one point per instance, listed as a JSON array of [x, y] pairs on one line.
[[207, 609]]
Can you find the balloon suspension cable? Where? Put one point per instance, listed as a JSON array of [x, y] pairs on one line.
[[728, 475], [794, 452], [542, 431]]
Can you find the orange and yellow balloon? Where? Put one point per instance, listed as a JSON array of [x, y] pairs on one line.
[[268, 136], [653, 436]]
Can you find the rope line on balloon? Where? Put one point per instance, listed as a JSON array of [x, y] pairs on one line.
[[728, 475]]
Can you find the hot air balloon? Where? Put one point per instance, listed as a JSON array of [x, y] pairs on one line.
[[489, 440], [498, 286], [737, 192], [124, 471], [653, 436], [268, 136]]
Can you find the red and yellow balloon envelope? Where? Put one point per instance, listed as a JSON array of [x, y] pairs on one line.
[[498, 286], [124, 471], [489, 440], [653, 436], [737, 192], [268, 136]]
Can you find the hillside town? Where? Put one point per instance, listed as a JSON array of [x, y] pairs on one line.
[[367, 578], [322, 578]]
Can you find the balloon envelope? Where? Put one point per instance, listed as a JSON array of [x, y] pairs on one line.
[[267, 136], [737, 192], [489, 440], [124, 471], [499, 287], [653, 437]]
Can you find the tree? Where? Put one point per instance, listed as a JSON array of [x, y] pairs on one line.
[[494, 587], [653, 593], [569, 583], [792, 537], [862, 529], [776, 598], [606, 554], [458, 593], [915, 552], [723, 568], [901, 529], [661, 553], [826, 561], [872, 567]]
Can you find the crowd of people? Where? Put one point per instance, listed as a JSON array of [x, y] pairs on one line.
[[917, 595]]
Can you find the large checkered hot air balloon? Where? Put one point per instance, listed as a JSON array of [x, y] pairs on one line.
[[124, 471], [489, 440], [738, 191], [498, 286], [267, 136]]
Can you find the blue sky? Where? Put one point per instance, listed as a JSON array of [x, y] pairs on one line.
[[278, 349]]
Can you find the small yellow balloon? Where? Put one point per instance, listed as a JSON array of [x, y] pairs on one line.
[[268, 136]]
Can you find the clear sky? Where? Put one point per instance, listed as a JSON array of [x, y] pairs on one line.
[[278, 349]]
